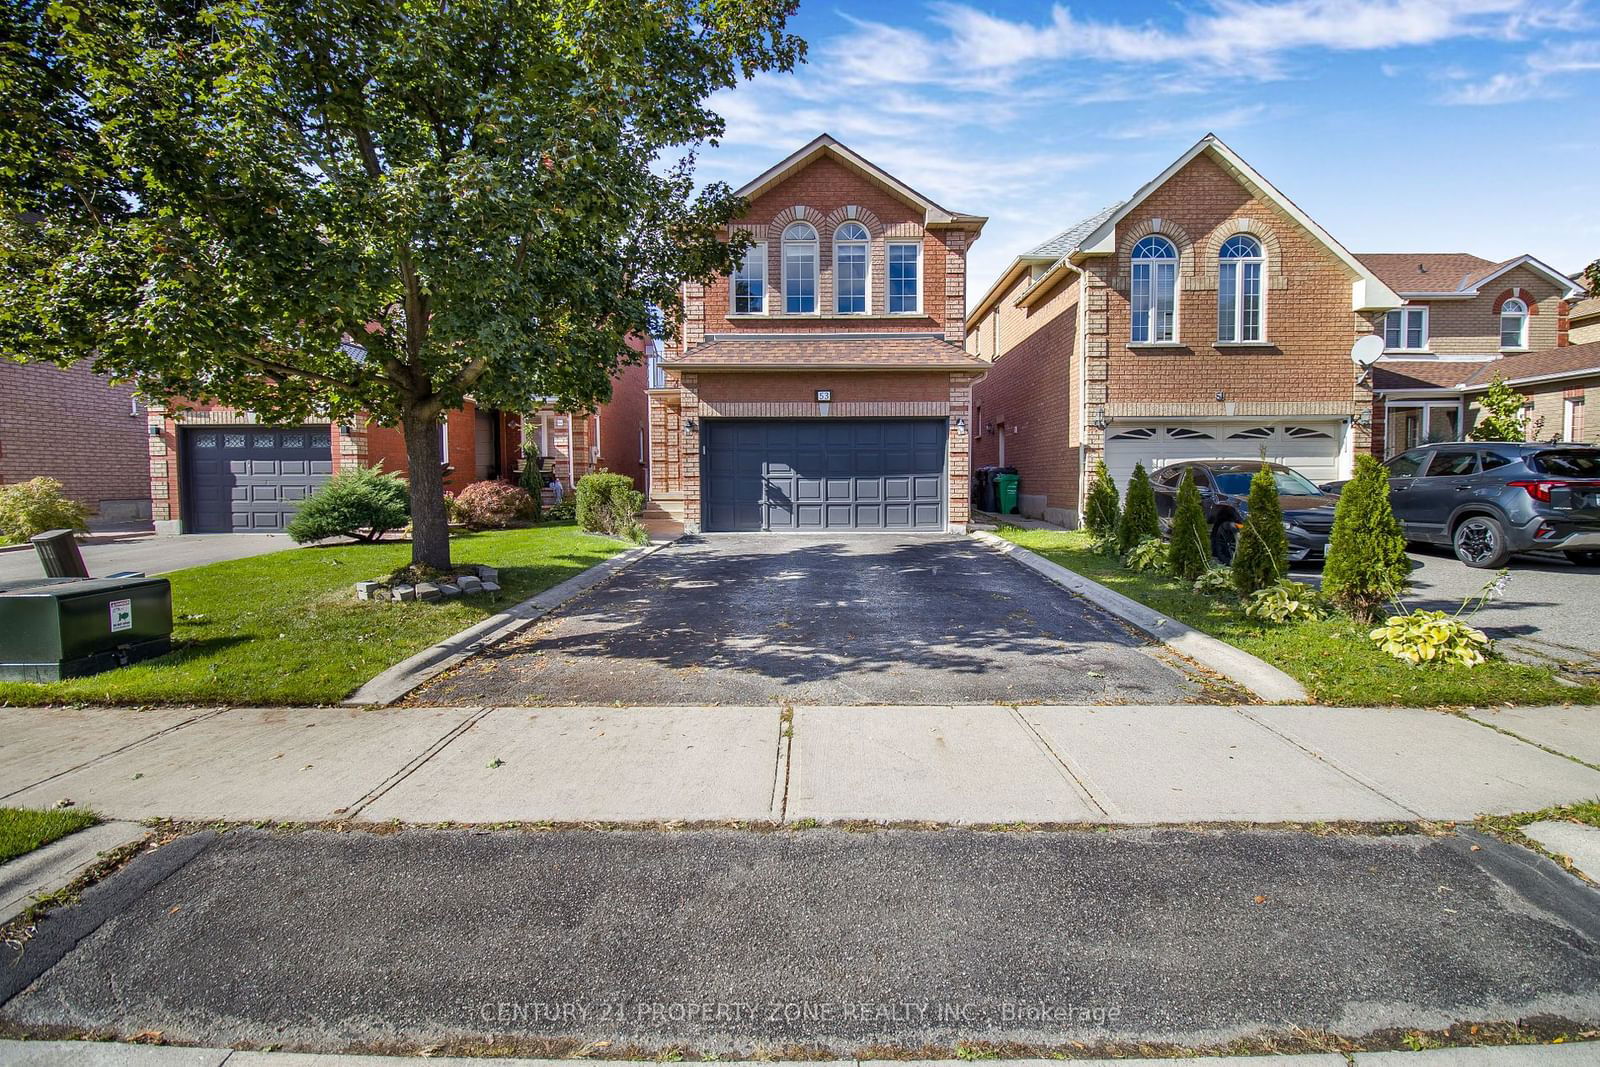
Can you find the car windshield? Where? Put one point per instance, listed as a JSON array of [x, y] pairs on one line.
[[1569, 464], [1237, 483]]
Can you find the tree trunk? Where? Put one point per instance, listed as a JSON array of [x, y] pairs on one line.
[[430, 525]]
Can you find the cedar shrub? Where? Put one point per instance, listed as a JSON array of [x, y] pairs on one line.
[[1263, 553], [1367, 563]]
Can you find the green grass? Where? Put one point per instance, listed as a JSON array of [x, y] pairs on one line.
[[1333, 659], [286, 628], [22, 829]]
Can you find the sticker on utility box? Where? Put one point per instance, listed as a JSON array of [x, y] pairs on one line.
[[121, 615]]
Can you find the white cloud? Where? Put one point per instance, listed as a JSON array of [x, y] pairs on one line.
[[1545, 75], [1191, 127]]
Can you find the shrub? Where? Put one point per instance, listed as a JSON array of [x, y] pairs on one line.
[[533, 477], [486, 505], [1432, 637], [1215, 580], [1190, 553], [29, 508], [1367, 564], [1148, 555], [1138, 519], [607, 503], [1100, 510], [1501, 414], [563, 510], [1262, 555], [1286, 601], [363, 503]]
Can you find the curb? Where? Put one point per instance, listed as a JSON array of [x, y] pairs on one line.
[[1256, 675], [408, 674]]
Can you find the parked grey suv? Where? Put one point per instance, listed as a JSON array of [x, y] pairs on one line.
[[1487, 499]]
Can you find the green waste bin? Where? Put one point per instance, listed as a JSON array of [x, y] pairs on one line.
[[1005, 493]]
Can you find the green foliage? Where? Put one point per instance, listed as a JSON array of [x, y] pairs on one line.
[[1432, 637], [30, 508], [1215, 580], [532, 475], [24, 829], [1500, 414], [1287, 601], [1100, 509], [608, 503], [1190, 554], [563, 510], [1138, 519], [215, 200], [1367, 565], [363, 504], [1148, 555], [1262, 556], [492, 505]]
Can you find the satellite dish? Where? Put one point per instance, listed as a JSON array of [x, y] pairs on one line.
[[1365, 352]]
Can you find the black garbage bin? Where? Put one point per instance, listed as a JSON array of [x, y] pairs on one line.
[[983, 489]]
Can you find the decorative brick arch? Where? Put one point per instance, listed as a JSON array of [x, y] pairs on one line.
[[1166, 228], [1519, 293], [1206, 267], [850, 213]]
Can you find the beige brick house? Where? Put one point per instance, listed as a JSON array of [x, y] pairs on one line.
[[824, 385], [1205, 316]]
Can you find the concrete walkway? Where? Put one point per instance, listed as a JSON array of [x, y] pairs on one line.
[[1056, 764]]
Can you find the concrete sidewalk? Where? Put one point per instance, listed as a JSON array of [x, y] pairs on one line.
[[1093, 764]]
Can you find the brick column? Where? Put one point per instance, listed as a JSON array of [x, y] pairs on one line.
[[689, 452], [1096, 371], [959, 472]]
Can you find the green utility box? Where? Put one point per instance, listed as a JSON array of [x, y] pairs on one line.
[[1005, 493], [57, 628]]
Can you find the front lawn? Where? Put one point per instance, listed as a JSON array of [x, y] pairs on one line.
[[22, 829], [1333, 659], [286, 628]]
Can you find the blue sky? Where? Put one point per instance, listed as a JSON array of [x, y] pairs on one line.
[[1461, 125]]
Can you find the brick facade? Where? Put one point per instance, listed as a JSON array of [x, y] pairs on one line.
[[75, 426], [1472, 327]]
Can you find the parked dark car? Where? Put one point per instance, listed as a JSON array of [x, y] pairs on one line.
[[1224, 486], [1488, 499]]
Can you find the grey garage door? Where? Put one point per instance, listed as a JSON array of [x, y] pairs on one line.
[[824, 474], [250, 479]]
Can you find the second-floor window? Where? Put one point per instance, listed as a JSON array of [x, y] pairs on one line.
[[850, 269], [750, 283], [905, 295], [1513, 324], [1155, 289], [1406, 330], [800, 269], [1239, 289]]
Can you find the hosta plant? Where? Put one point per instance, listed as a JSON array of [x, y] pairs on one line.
[[1149, 554], [1286, 601], [1432, 637], [1215, 580]]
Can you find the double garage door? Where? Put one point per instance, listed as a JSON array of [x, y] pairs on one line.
[[1312, 447], [250, 479], [823, 474]]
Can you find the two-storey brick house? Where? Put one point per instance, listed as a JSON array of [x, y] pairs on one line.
[[1205, 316], [824, 385]]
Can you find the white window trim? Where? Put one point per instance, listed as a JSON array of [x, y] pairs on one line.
[[1569, 416], [1237, 265], [1427, 334], [1177, 298], [1500, 327], [886, 273], [758, 252], [866, 248], [784, 244], [1459, 405]]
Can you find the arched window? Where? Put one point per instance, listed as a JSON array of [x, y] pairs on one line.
[[1239, 263], [850, 269], [800, 269], [1513, 324], [1155, 287]]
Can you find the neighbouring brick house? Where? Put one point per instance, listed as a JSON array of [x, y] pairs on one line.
[[1206, 316], [1584, 321], [823, 386], [1466, 319], [73, 425], [215, 469]]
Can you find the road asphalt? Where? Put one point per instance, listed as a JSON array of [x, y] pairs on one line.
[[730, 942]]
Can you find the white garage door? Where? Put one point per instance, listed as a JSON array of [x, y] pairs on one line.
[[1312, 448]]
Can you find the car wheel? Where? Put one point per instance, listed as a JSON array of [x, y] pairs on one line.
[[1224, 540], [1480, 541], [1584, 557]]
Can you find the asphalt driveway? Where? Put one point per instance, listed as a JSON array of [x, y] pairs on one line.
[[877, 619], [150, 553]]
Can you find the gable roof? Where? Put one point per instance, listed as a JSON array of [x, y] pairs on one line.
[[1070, 239], [1587, 308], [1367, 291], [825, 145], [1456, 275]]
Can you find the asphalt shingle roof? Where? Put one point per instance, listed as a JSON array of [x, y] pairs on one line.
[[1536, 364], [1427, 272], [1068, 240]]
